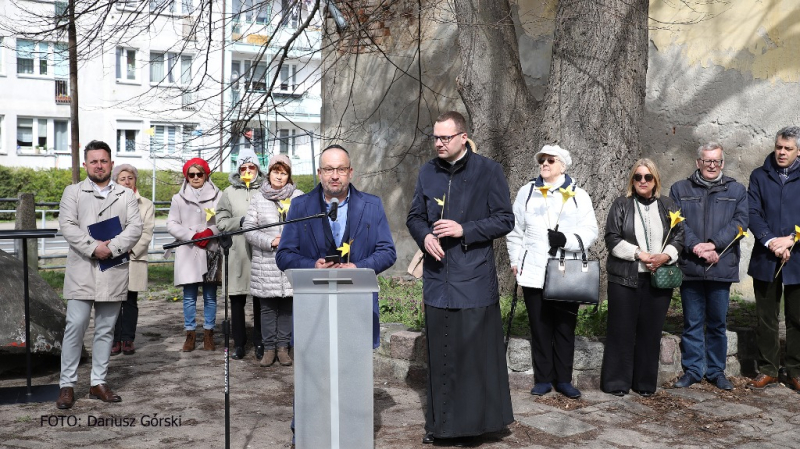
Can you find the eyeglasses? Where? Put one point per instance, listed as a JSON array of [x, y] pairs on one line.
[[445, 139], [712, 162], [550, 160], [341, 171], [195, 175], [638, 177], [247, 168]]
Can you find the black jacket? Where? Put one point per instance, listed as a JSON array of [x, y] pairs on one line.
[[477, 197], [620, 226]]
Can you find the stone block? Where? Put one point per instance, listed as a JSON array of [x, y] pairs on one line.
[[733, 343], [519, 355], [403, 344], [588, 354], [387, 330], [670, 350], [586, 378], [520, 381], [557, 424], [732, 366]]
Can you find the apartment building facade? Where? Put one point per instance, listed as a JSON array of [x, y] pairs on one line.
[[164, 88]]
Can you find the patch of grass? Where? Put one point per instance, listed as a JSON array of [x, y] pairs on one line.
[[54, 278], [400, 301], [25, 418], [741, 313]]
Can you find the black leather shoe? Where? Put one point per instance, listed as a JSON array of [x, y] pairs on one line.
[[259, 352], [645, 394], [428, 438], [618, 393], [238, 353]]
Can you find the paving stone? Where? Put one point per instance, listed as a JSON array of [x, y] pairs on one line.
[[558, 424], [627, 438], [723, 409], [694, 394]]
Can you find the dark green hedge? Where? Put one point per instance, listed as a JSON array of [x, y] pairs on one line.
[[48, 184]]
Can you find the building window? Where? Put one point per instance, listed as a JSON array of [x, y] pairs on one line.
[[61, 128], [164, 139], [126, 140], [290, 13], [32, 57], [288, 77], [170, 68], [24, 133], [2, 128], [286, 140], [126, 64], [61, 16], [251, 11]]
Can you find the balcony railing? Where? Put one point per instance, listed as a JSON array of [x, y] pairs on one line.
[[62, 91]]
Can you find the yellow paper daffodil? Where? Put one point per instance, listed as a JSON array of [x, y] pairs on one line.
[[247, 178], [345, 248], [566, 194], [441, 203], [741, 233], [675, 218], [796, 233], [796, 238], [209, 213], [544, 190], [283, 206]]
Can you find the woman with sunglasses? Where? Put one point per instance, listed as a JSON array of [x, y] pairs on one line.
[[231, 212], [637, 225], [190, 217], [543, 224]]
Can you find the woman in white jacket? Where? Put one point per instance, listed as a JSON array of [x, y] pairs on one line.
[[541, 228]]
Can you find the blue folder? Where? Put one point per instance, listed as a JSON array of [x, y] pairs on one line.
[[107, 230]]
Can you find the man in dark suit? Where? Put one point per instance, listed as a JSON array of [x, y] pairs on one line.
[[360, 220]]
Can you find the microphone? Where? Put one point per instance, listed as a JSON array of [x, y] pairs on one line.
[[334, 209]]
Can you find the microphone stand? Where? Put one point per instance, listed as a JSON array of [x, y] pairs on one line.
[[225, 242]]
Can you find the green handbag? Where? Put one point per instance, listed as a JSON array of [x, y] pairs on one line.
[[666, 276]]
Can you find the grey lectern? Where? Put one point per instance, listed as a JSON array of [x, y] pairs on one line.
[[333, 396]]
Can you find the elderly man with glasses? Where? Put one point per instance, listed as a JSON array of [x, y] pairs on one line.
[[774, 202], [715, 207], [461, 205]]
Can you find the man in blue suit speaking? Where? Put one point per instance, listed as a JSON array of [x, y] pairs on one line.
[[360, 221]]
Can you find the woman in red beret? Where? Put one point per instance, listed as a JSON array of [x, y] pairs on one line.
[[192, 216]]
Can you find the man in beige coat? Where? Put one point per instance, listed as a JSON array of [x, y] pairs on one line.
[[85, 285]]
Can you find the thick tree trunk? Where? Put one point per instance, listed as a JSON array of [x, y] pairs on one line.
[[593, 106], [595, 101]]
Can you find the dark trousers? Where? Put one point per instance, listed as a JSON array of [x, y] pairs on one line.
[[552, 336], [633, 343], [276, 322], [125, 329], [238, 328], [768, 300]]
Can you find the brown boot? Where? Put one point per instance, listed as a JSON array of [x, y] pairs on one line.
[[268, 359], [283, 356], [208, 340], [188, 345]]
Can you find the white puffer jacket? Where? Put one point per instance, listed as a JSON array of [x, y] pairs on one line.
[[266, 280], [528, 244]]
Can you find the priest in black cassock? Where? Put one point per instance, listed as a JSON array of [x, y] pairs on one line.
[[460, 205]]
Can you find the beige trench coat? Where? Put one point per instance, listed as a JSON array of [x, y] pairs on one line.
[[187, 216], [80, 207], [137, 282]]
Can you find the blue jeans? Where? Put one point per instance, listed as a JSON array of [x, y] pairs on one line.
[[190, 308], [705, 305]]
